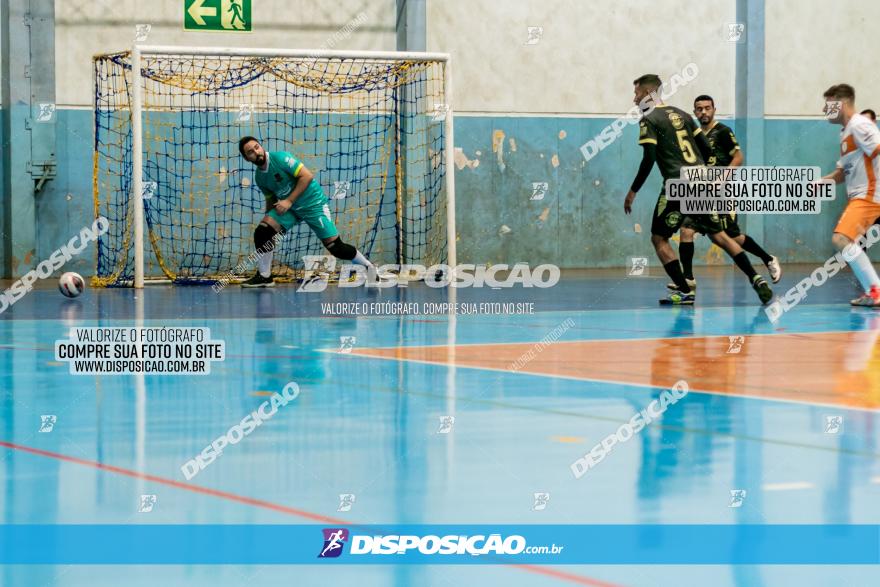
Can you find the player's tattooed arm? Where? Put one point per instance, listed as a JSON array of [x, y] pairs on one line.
[[649, 156]]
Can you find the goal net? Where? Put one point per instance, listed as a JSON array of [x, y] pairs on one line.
[[374, 128]]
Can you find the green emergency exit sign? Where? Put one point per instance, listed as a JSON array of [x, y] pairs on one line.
[[233, 16]]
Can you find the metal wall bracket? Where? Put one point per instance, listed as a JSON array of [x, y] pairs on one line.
[[42, 171]]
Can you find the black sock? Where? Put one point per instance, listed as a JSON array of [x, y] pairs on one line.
[[755, 249], [686, 252], [742, 261], [673, 269]]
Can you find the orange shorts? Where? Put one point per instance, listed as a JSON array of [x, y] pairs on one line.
[[857, 218]]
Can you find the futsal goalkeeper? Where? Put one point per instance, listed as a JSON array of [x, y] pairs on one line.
[[293, 195]]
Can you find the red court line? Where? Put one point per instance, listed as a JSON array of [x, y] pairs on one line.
[[571, 578], [180, 485]]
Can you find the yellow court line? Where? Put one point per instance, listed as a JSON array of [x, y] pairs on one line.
[[568, 439]]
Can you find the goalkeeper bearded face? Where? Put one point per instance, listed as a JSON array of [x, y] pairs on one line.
[[252, 150]]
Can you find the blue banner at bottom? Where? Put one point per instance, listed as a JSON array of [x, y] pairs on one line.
[[441, 544]]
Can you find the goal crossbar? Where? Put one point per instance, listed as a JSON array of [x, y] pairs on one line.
[[292, 53]]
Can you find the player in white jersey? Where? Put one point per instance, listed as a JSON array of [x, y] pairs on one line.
[[859, 167]]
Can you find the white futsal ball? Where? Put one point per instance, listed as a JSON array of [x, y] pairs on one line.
[[71, 284]]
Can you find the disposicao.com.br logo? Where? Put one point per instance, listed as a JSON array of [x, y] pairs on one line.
[[428, 544], [319, 268]]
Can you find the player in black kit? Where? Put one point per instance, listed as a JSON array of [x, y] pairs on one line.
[[725, 153], [669, 137]]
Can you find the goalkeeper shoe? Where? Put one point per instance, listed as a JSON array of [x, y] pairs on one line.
[[259, 281], [375, 276]]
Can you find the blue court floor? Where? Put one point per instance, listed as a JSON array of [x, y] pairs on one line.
[[786, 412]]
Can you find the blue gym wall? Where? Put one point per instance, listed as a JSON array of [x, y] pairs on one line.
[[65, 205], [579, 223]]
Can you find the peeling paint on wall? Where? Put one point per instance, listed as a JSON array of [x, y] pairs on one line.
[[512, 143], [498, 148], [562, 135], [544, 215], [497, 140], [461, 160], [555, 160]]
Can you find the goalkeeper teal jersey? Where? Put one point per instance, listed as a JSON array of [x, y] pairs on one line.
[[280, 178]]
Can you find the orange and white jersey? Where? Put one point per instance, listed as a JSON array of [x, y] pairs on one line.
[[859, 150]]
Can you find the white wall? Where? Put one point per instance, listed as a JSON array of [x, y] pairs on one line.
[[590, 52], [88, 27], [814, 44], [584, 64]]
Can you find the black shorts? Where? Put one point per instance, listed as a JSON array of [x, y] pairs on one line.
[[668, 219], [731, 226]]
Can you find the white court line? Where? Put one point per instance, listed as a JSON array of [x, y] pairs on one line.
[[634, 339], [787, 486], [521, 372]]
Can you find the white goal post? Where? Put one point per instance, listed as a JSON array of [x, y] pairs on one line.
[[140, 52]]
